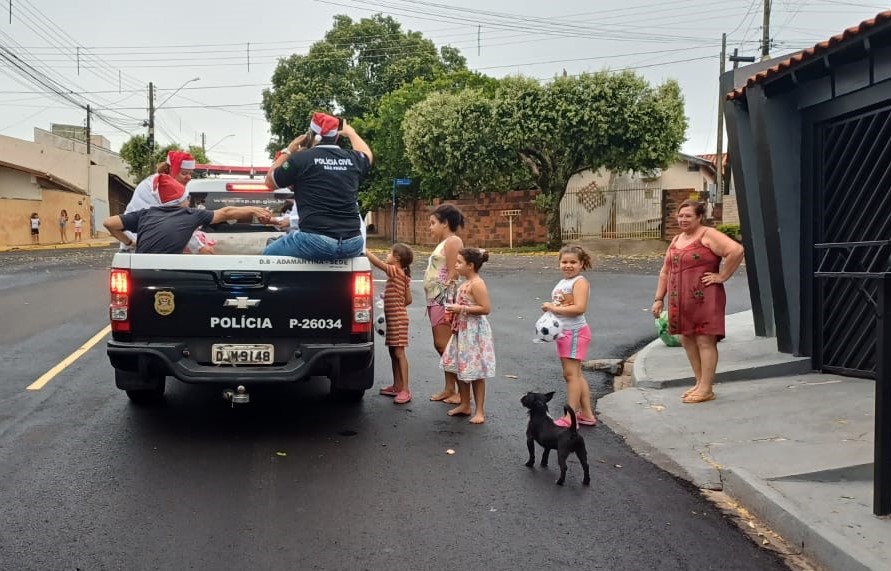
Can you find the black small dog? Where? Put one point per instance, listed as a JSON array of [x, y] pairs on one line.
[[541, 429]]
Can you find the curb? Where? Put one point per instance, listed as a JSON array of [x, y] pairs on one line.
[[783, 369], [695, 470], [819, 542], [70, 246]]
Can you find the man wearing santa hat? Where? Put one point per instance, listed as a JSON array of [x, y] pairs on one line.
[[167, 228], [179, 165], [325, 179]]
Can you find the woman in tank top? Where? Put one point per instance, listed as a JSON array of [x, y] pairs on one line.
[[439, 284]]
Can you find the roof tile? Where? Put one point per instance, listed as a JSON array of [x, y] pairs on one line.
[[809, 53]]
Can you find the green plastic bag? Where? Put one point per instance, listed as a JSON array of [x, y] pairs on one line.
[[664, 335]]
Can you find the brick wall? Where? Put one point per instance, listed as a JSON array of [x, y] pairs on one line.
[[484, 227]]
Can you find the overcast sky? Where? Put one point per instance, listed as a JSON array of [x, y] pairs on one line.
[[122, 46]]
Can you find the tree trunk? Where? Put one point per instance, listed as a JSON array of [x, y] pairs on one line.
[[555, 232], [554, 222]]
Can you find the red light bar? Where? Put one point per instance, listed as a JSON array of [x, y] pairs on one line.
[[226, 169]]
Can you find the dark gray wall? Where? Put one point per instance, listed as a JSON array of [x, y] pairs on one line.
[[764, 131]]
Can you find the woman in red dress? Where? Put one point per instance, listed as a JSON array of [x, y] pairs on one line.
[[693, 278]]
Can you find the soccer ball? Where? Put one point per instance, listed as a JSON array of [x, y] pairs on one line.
[[548, 327], [380, 325]]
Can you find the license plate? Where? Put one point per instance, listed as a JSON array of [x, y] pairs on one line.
[[224, 354]]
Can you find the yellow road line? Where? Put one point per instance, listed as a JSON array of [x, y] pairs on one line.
[[48, 376]]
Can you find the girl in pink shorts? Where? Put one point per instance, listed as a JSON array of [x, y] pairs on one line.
[[569, 302]]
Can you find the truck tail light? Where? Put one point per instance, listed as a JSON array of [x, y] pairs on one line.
[[362, 294], [119, 308]]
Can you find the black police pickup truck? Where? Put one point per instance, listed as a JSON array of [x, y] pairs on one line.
[[238, 318]]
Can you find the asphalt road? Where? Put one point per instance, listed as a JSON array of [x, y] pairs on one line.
[[295, 481]]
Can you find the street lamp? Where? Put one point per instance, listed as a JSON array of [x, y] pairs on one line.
[[153, 108], [207, 150], [177, 91]]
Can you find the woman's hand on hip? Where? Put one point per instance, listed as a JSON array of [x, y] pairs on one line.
[[710, 278]]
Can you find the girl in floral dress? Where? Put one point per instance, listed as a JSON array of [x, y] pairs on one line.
[[469, 356]]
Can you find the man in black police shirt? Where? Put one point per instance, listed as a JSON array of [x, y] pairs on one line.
[[325, 179], [166, 229]]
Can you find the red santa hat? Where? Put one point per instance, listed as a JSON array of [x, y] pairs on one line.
[[324, 125], [169, 190], [179, 160]]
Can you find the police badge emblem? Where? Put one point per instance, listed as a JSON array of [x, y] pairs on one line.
[[164, 305]]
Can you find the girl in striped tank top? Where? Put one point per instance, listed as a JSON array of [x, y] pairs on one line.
[[397, 295]]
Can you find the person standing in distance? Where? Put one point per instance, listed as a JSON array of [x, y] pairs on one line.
[[325, 179]]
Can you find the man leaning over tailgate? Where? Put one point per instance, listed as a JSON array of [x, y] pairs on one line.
[[325, 179], [166, 229]]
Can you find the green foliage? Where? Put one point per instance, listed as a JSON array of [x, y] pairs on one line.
[[348, 72], [141, 163], [472, 141], [453, 141], [543, 201], [384, 129], [198, 152], [732, 230], [135, 152]]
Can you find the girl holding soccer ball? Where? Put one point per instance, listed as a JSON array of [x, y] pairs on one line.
[[569, 302]]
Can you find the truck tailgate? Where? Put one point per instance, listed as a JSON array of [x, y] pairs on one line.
[[240, 297]]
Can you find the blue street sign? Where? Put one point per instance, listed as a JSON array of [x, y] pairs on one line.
[[402, 182]]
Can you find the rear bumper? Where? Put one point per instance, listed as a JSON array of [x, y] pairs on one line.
[[310, 360]]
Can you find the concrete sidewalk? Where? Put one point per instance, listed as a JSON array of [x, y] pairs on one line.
[[88, 243], [795, 448]]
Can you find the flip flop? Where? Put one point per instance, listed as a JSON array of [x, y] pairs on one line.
[[695, 399], [403, 397], [389, 391], [585, 421]]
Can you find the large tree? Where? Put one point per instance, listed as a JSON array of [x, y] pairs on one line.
[[348, 72], [604, 119], [141, 162], [384, 129]]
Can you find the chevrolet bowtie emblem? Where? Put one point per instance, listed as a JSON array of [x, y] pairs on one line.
[[241, 303]]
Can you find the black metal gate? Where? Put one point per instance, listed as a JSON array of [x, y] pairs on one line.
[[853, 184]]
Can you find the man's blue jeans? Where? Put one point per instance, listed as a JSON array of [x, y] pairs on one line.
[[315, 247]]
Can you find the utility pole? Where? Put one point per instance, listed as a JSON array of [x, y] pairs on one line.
[[736, 58], [88, 128], [765, 32], [203, 143], [719, 156], [151, 120]]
